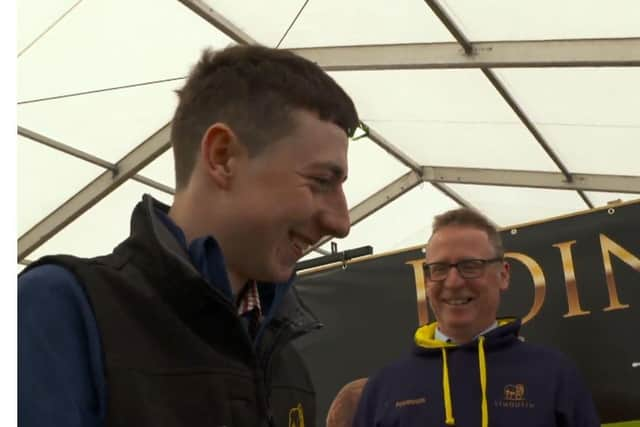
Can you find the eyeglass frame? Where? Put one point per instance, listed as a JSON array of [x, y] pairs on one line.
[[484, 263]]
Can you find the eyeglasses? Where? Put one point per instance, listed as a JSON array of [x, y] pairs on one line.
[[467, 268]]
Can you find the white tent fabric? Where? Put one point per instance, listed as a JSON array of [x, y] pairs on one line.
[[96, 79]]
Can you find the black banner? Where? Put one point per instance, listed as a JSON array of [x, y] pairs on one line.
[[575, 281]]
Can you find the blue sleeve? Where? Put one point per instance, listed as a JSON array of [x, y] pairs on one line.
[[60, 370]]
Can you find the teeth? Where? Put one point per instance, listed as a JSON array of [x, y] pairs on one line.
[[458, 301]]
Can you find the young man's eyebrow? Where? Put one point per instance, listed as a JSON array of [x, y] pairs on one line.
[[336, 170]]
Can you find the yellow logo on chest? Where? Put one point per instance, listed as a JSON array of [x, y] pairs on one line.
[[296, 416]]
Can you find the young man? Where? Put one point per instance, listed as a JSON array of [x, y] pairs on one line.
[[468, 368], [189, 321]]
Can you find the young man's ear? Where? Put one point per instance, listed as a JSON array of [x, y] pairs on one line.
[[220, 149]]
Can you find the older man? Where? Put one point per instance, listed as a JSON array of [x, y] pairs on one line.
[[469, 368]]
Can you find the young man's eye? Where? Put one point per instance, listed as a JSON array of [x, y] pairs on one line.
[[321, 180]]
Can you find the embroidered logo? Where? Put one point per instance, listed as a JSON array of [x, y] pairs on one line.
[[514, 392], [514, 397], [296, 416], [411, 402]]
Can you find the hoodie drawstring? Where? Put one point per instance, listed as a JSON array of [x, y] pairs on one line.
[[448, 407], [449, 420], [483, 382]]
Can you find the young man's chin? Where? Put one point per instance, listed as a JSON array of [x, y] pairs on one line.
[[281, 274]]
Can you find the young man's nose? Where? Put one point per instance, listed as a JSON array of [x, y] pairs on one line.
[[335, 216]]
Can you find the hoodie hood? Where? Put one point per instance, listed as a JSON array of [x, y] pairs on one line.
[[507, 330]]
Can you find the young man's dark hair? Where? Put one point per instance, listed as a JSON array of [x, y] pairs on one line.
[[253, 90]]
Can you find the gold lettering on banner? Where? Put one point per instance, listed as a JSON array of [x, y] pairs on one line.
[[421, 290], [539, 283], [573, 299], [609, 247]]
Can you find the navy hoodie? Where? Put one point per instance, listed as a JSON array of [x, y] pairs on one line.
[[496, 380]]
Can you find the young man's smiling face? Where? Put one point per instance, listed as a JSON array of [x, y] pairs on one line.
[[286, 198], [465, 307]]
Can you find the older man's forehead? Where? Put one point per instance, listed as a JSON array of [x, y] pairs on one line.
[[459, 235]]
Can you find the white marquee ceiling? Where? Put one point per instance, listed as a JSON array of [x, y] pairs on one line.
[[539, 118]]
